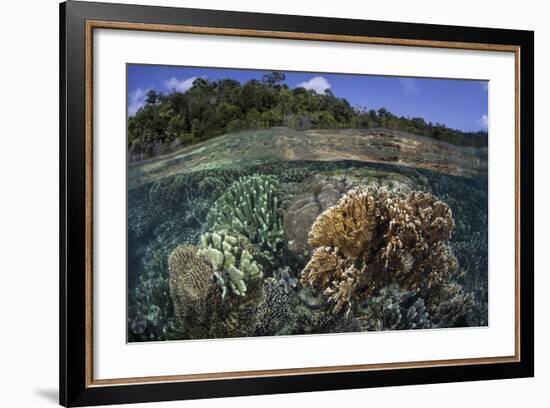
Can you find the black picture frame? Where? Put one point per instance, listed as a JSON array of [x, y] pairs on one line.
[[76, 389]]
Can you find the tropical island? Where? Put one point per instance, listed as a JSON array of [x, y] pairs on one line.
[[215, 107]]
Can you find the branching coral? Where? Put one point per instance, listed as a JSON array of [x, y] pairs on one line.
[[450, 306], [395, 309], [250, 207], [373, 238], [286, 279], [151, 316], [230, 256]]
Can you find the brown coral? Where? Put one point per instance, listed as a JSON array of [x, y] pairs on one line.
[[375, 237], [302, 205], [238, 317], [198, 306], [191, 285], [450, 306]]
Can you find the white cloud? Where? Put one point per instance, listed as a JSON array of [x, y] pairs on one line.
[[409, 86], [136, 100], [180, 85], [483, 121], [318, 84]]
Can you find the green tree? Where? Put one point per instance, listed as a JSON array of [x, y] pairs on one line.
[[273, 79], [152, 97], [210, 108]]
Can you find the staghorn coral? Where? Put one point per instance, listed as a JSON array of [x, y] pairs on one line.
[[250, 207], [373, 238], [230, 257], [190, 286]]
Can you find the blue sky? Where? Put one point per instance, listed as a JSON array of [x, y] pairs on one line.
[[459, 104]]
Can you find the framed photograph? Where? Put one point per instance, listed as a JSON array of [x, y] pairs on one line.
[[256, 204]]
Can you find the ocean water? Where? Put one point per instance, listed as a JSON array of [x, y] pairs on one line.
[[175, 210]]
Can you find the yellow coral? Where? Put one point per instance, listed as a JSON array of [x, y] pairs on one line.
[[348, 225], [374, 237]]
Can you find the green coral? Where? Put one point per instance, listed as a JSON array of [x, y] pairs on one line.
[[250, 207], [231, 259]]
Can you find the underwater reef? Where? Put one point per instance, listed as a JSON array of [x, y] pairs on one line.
[[305, 247], [375, 238]]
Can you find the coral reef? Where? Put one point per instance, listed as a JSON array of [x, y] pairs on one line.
[[250, 207], [190, 287], [311, 298], [275, 314], [301, 209], [395, 309], [285, 278], [195, 287], [211, 186], [238, 316], [379, 258], [450, 305], [230, 256], [151, 315], [373, 238], [320, 320]]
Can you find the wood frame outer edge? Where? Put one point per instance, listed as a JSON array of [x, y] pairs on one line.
[[189, 29]]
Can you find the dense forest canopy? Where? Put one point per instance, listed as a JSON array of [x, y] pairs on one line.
[[212, 108]]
